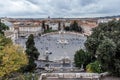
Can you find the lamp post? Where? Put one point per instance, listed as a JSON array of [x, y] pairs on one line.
[[47, 55], [47, 58]]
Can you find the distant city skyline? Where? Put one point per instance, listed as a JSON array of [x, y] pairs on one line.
[[59, 8]]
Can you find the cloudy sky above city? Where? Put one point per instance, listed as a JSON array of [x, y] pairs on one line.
[[59, 8]]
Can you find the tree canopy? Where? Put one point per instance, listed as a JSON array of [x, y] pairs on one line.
[[73, 27], [12, 59], [104, 46], [32, 53], [3, 27], [81, 58]]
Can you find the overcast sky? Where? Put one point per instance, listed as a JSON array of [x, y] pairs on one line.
[[58, 8]]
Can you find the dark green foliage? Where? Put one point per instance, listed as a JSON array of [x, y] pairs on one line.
[[3, 27], [30, 42], [48, 28], [43, 25], [32, 53], [105, 44], [59, 25], [91, 45], [106, 53], [67, 28], [75, 27], [81, 58]]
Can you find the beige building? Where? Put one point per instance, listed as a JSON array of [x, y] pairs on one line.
[[24, 29], [27, 30]]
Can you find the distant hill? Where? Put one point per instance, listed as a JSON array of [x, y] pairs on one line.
[[114, 16], [108, 17]]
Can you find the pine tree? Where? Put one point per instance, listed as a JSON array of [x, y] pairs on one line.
[[43, 25], [32, 53]]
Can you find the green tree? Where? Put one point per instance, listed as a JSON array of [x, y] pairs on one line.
[[12, 59], [75, 27], [4, 41], [106, 54], [94, 67], [48, 28], [32, 53], [105, 42], [43, 25], [67, 28], [81, 58], [3, 27], [59, 25]]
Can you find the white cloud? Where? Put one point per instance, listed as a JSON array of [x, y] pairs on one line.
[[59, 8]]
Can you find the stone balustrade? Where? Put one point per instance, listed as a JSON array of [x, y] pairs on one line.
[[70, 75]]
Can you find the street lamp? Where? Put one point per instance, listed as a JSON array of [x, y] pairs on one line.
[[47, 55], [47, 58]]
